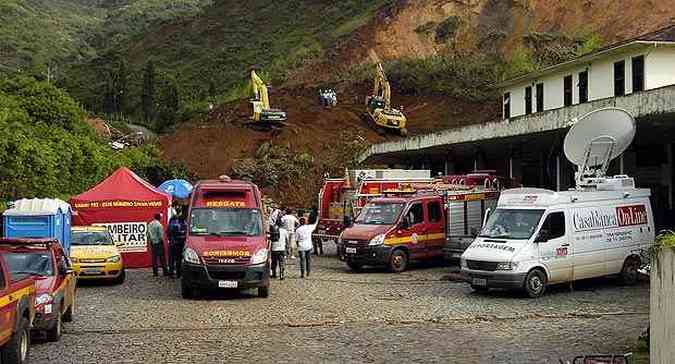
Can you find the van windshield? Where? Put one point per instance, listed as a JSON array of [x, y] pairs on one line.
[[379, 213], [225, 222], [512, 224], [33, 263]]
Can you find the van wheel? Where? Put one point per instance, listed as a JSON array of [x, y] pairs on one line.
[[186, 291], [16, 350], [354, 266], [55, 332], [629, 272], [535, 283], [398, 262], [264, 291]]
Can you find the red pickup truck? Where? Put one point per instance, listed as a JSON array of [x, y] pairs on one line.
[[17, 310]]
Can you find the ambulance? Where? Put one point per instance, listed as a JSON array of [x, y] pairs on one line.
[[406, 226], [537, 237], [226, 246]]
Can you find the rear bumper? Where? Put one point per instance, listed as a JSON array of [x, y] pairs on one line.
[[208, 277], [508, 280], [88, 271], [366, 255]]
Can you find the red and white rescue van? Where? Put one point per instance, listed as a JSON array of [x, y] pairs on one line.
[[226, 245], [344, 197], [394, 230]]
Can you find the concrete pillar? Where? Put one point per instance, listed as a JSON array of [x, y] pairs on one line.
[[662, 308], [621, 166], [557, 172], [669, 171]]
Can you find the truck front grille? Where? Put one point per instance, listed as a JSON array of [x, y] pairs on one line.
[[481, 265]]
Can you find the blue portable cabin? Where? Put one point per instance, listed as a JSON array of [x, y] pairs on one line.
[[39, 218]]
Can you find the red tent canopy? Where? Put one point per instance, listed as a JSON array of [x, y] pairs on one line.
[[124, 203]]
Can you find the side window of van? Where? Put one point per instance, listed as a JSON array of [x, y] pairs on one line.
[[416, 214], [434, 209], [555, 225]]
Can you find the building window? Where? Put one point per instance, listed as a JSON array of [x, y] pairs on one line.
[[638, 70], [567, 85], [507, 105], [583, 87], [528, 100], [540, 97], [620, 78]]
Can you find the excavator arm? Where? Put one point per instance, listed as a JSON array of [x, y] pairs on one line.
[[260, 90], [382, 84]]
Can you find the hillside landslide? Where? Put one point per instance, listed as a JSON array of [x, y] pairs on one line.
[[401, 30]]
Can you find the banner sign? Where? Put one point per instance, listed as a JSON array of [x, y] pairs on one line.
[[119, 203], [131, 235], [600, 218]]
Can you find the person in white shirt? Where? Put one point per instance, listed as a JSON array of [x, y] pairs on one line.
[[279, 251], [290, 222], [304, 236]]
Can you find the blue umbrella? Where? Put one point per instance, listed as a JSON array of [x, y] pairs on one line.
[[178, 188]]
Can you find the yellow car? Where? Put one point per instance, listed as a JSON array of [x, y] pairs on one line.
[[94, 254]]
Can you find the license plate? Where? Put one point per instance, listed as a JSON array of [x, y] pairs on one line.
[[350, 250], [92, 271], [479, 282], [227, 284]]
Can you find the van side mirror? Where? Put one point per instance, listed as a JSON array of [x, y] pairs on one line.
[[543, 236]]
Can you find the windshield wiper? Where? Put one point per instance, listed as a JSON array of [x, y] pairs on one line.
[[222, 233], [31, 273]]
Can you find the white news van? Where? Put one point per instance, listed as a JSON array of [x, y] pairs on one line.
[[537, 237]]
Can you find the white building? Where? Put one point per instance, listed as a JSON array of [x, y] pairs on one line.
[[637, 75], [644, 63]]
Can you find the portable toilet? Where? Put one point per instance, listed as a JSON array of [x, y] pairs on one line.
[[39, 218]]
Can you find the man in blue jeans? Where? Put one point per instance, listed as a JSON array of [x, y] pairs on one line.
[[304, 238]]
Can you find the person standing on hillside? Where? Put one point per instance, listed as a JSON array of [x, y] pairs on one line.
[[290, 222], [279, 242], [155, 236], [304, 236]]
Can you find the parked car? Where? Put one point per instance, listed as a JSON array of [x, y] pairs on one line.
[[46, 261], [94, 254], [17, 294]]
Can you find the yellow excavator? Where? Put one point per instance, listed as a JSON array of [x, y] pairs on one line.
[[263, 115], [378, 106]]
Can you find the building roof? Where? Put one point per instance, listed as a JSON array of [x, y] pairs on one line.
[[37, 206], [661, 36]]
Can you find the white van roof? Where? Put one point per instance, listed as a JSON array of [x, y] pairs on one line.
[[37, 206], [539, 197]]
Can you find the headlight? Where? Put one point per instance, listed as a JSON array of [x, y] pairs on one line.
[[113, 259], [378, 240], [42, 299], [462, 263], [259, 257], [190, 256], [507, 266]]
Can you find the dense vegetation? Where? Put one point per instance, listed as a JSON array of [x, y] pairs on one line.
[[47, 150]]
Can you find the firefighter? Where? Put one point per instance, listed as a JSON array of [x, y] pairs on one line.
[[177, 232]]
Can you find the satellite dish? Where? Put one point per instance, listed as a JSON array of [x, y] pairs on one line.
[[597, 138]]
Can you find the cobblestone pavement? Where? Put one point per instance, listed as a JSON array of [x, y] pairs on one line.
[[422, 315]]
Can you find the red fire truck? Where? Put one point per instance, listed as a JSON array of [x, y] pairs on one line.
[[344, 197], [410, 226], [226, 246]]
